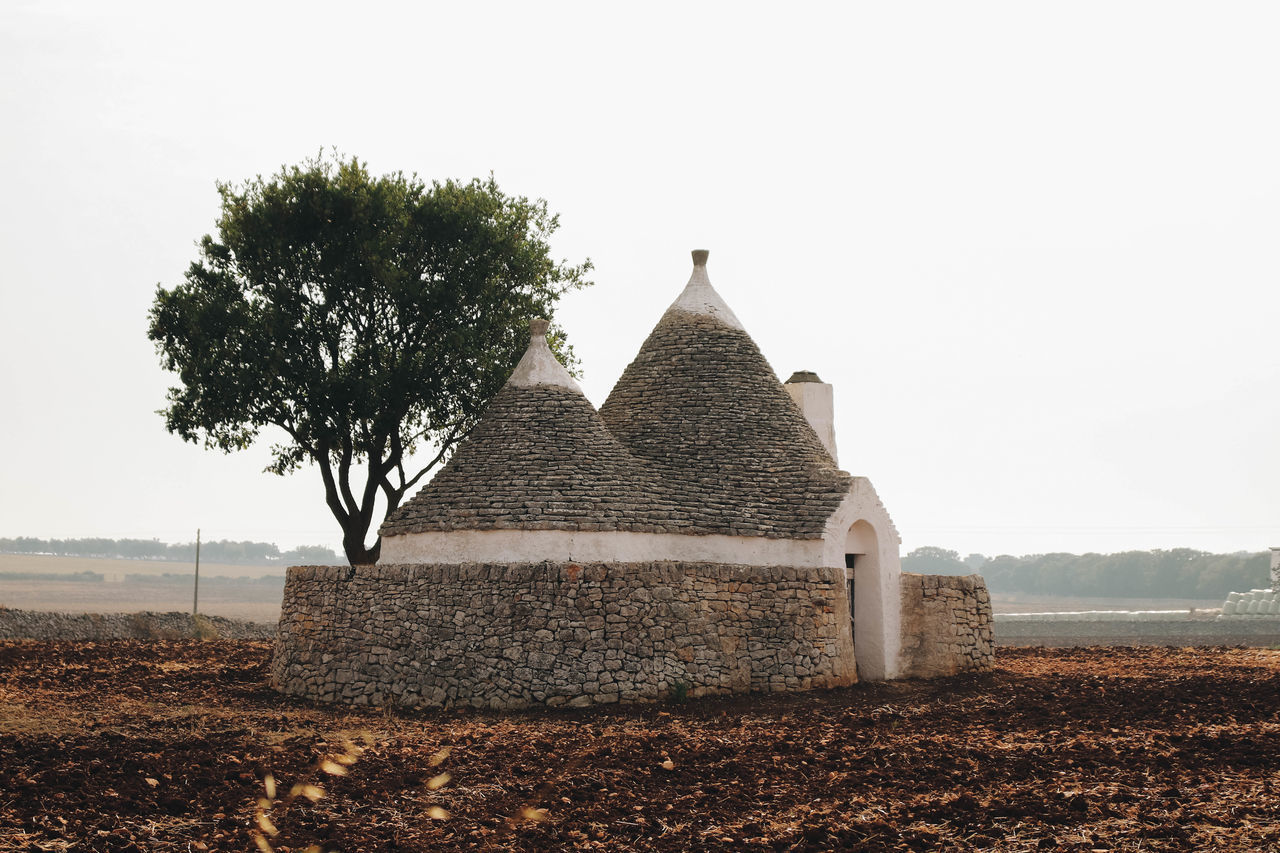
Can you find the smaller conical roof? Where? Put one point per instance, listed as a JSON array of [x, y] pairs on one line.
[[539, 459]]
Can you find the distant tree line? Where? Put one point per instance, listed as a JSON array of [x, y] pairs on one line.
[[1176, 573], [220, 551]]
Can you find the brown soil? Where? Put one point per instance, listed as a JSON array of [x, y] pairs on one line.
[[128, 746]]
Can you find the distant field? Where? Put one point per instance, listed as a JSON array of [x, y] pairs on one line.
[[255, 603], [74, 565], [237, 592]]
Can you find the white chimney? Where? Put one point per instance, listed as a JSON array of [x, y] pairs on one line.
[[814, 397]]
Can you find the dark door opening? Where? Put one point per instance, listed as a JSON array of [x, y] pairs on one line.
[[848, 565]]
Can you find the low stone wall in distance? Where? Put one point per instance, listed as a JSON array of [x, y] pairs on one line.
[[946, 625], [98, 627], [557, 633]]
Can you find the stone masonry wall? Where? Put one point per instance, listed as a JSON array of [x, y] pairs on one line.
[[99, 627], [946, 625], [516, 635]]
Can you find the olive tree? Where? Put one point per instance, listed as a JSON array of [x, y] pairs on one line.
[[365, 317]]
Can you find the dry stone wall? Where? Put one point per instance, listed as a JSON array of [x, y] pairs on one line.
[[557, 633], [98, 627], [946, 625]]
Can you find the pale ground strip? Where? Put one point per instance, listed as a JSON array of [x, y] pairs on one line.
[[109, 567]]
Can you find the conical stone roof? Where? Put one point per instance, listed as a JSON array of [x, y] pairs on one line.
[[704, 409], [697, 437], [539, 459]]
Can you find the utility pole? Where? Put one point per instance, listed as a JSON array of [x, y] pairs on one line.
[[195, 599]]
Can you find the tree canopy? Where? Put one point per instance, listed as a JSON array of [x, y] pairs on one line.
[[365, 317], [932, 560]]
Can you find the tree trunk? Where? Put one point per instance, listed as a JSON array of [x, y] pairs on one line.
[[357, 554], [354, 518]]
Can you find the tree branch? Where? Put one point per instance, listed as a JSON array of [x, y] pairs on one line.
[[344, 474], [331, 491], [445, 447]]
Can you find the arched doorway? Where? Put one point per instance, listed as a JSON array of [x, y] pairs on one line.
[[862, 574], [862, 533]]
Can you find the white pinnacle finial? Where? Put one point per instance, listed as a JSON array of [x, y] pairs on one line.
[[539, 365], [699, 297]]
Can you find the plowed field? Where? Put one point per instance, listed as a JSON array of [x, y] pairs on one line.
[[168, 746]]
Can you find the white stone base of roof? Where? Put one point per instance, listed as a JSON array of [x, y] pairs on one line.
[[607, 546]]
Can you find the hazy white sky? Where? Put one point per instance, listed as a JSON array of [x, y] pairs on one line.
[[1033, 246]]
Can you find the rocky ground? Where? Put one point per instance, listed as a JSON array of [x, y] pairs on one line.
[[174, 745]]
